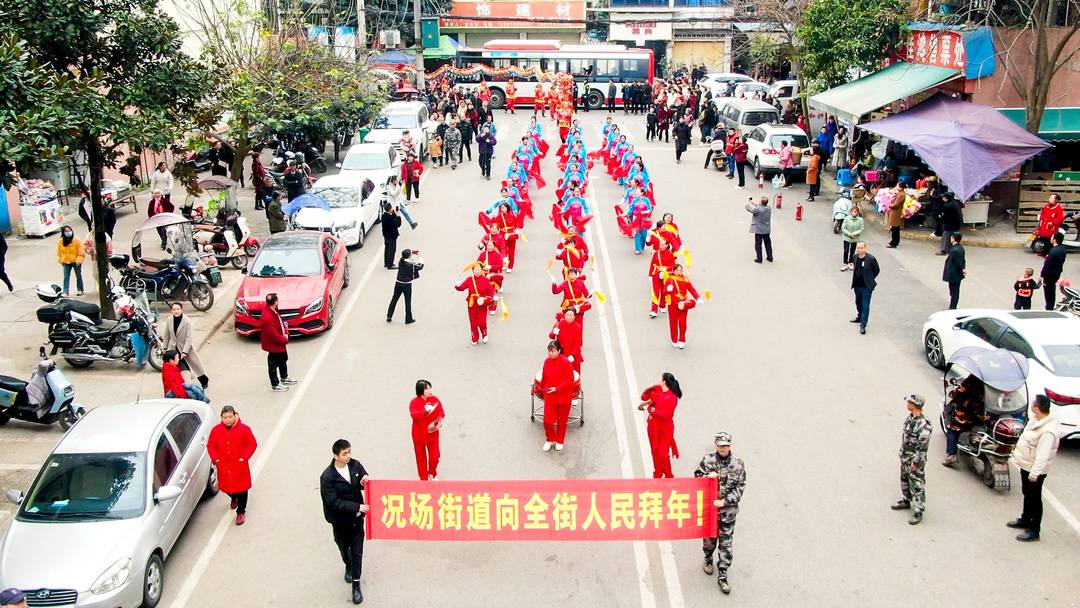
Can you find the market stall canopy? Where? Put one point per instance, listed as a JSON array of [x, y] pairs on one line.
[[852, 100], [447, 48], [966, 144], [1058, 124], [393, 56]]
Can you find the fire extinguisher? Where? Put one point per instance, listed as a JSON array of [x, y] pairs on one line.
[[761, 181], [798, 211], [779, 200]]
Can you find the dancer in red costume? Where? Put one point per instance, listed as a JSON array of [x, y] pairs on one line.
[[567, 331], [681, 296], [478, 296], [660, 400], [557, 384], [427, 418]]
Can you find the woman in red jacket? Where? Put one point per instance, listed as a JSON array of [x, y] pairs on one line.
[[567, 332], [274, 338], [230, 447], [557, 386], [660, 400], [171, 378], [427, 418], [411, 170], [680, 296]]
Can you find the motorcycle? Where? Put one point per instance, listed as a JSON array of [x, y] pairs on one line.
[[228, 239], [996, 379], [719, 158], [78, 332], [1070, 298], [47, 398], [841, 209], [176, 280], [1042, 245]]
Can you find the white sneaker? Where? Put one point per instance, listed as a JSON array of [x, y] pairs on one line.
[[851, 266], [663, 310], [491, 312], [279, 388], [843, 267], [288, 381], [675, 344], [509, 270], [484, 339], [547, 446], [653, 314], [682, 344], [431, 478], [558, 447], [473, 343]]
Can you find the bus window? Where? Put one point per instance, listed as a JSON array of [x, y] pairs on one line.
[[607, 69], [633, 69], [500, 63], [526, 64], [577, 66]]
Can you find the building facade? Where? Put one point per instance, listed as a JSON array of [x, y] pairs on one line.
[[681, 32]]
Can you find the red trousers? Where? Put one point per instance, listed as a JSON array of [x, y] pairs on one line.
[[555, 415], [677, 322], [510, 101], [658, 295], [563, 132], [661, 462], [511, 250], [427, 456], [478, 322]]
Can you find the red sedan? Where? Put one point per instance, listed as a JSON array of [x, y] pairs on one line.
[[306, 269]]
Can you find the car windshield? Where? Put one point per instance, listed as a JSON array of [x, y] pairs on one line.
[[287, 262], [338, 197], [85, 487], [757, 118], [1065, 359], [362, 161], [793, 139], [396, 121]]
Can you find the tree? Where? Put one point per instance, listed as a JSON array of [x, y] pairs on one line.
[[838, 38], [123, 79], [784, 16], [279, 81], [764, 51]]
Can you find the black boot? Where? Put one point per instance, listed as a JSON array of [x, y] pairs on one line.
[[357, 596], [721, 580], [348, 575]]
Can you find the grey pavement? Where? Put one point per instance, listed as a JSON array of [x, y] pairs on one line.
[[815, 409]]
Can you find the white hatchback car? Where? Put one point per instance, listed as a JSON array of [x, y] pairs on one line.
[[1049, 339], [763, 147], [352, 212], [101, 516]]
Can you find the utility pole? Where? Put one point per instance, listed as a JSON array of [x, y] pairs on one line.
[[419, 46]]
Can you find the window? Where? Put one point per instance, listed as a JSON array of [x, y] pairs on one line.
[[165, 461], [393, 152], [328, 251], [793, 139], [183, 429], [607, 68], [1065, 359], [577, 66], [88, 487], [632, 69], [985, 329], [1010, 340], [758, 118], [784, 91], [757, 135]]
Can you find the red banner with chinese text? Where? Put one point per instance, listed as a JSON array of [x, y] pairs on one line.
[[547, 510]]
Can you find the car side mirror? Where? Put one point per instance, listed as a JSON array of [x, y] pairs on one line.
[[959, 325], [166, 493], [330, 267], [338, 165], [15, 496]]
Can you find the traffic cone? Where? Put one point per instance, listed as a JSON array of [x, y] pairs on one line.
[[798, 212], [761, 181], [779, 200]]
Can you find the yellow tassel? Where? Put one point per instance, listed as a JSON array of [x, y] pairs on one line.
[[468, 268], [521, 235], [708, 294], [600, 296], [686, 254], [592, 262], [664, 275], [505, 310]]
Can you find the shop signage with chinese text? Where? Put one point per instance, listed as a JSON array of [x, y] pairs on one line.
[[642, 27], [471, 15]]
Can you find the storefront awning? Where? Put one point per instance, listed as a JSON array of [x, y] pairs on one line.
[[447, 49], [858, 97], [1058, 124]]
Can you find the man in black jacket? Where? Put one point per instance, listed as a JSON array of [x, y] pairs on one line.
[[408, 270], [682, 138], [341, 487], [1052, 268], [391, 222], [626, 98], [611, 97], [863, 282], [952, 220], [955, 268]]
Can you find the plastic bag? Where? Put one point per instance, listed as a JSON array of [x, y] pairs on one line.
[[776, 181]]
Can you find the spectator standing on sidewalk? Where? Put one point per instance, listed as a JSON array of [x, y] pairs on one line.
[[864, 274], [738, 152], [1034, 452], [955, 268], [274, 339], [162, 179], [485, 149], [914, 443], [180, 336], [230, 447], [1053, 266], [761, 226], [275, 216], [952, 220], [894, 218], [682, 137], [411, 170], [70, 255]]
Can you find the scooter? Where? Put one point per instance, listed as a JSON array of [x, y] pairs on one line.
[[229, 239], [1070, 299], [47, 398], [1042, 245], [841, 209]]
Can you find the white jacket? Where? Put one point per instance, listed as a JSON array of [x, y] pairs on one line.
[[161, 181], [1037, 445]]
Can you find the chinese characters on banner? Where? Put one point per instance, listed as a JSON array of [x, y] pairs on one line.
[[939, 48], [643, 27], [574, 509], [464, 14]]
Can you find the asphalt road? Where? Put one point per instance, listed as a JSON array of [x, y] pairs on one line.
[[815, 409]]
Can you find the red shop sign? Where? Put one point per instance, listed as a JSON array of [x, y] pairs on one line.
[[943, 49]]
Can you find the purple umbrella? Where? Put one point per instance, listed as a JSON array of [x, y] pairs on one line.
[[967, 144]]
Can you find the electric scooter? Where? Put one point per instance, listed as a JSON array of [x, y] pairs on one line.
[[47, 398]]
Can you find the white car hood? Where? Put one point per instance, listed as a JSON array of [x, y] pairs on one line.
[[384, 136], [68, 555], [314, 218]]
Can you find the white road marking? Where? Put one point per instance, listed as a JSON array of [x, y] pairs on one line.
[[641, 557], [667, 554], [204, 559]]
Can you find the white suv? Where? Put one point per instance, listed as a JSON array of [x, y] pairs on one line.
[[763, 147], [396, 118]]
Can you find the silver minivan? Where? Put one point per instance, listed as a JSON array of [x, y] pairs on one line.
[[95, 526], [745, 114]]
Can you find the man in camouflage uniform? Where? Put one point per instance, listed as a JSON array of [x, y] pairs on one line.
[[914, 442], [730, 475]]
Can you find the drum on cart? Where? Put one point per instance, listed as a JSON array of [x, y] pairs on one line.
[[577, 405]]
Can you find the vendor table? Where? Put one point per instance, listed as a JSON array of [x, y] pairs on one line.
[[977, 211]]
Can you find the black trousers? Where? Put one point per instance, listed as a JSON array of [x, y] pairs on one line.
[[1033, 507], [401, 289], [3, 271], [389, 247], [467, 147], [585, 102], [664, 132], [894, 236], [411, 189], [679, 149], [277, 363], [741, 166], [1050, 292], [759, 240], [350, 543], [815, 189], [485, 165], [650, 132], [1022, 303], [849, 252], [241, 501], [611, 104], [954, 294]]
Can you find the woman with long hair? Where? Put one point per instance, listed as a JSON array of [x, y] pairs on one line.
[[427, 418], [660, 400]]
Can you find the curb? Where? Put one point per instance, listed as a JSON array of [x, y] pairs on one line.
[[218, 323], [973, 241]]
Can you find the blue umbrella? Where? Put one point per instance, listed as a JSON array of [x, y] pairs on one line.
[[304, 200]]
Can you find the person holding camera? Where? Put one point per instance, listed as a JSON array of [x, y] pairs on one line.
[[391, 223], [408, 267]]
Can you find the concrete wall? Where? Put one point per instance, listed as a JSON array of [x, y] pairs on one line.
[[997, 90]]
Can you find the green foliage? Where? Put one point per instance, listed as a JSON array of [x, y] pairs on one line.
[[764, 49], [839, 37]]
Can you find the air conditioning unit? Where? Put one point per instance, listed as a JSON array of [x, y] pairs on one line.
[[389, 38]]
